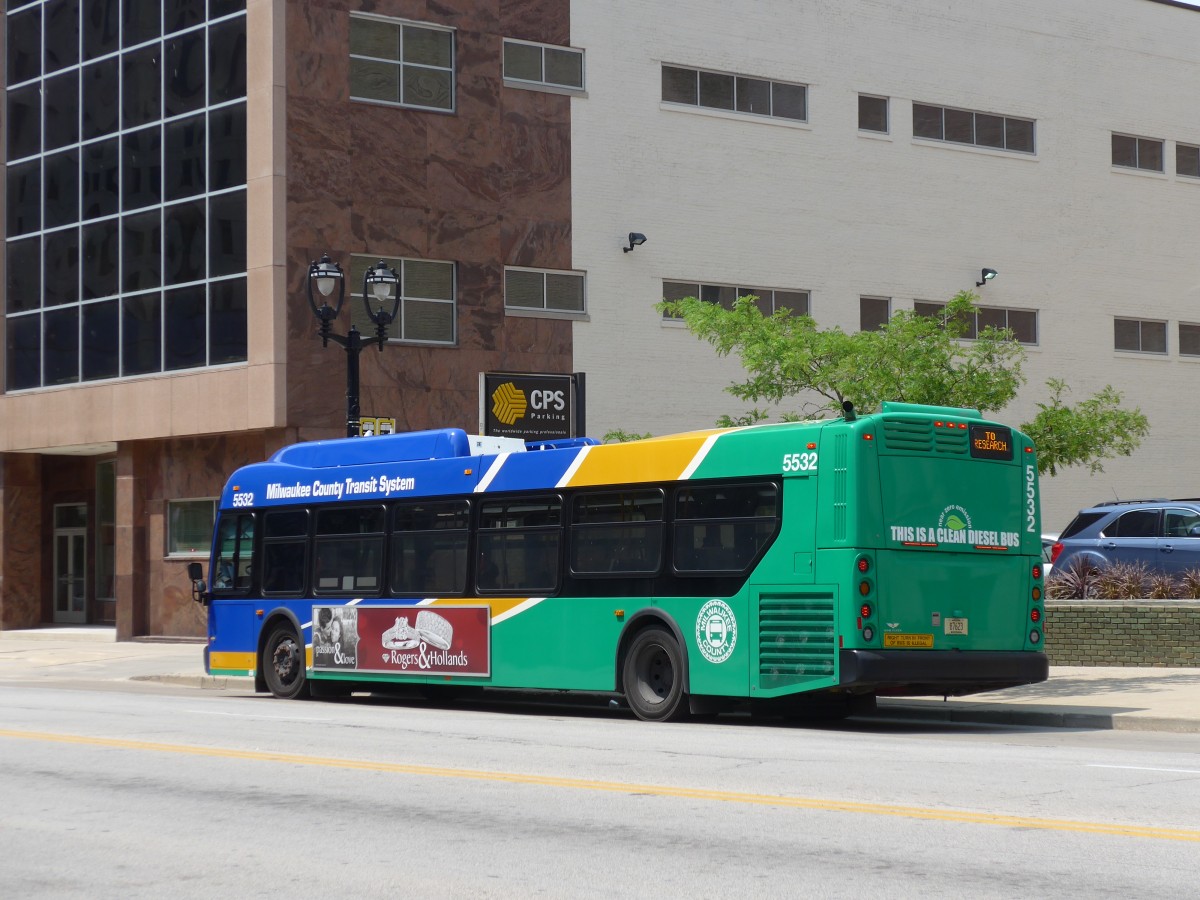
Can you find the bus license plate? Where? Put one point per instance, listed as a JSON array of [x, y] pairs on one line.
[[956, 626], [908, 640]]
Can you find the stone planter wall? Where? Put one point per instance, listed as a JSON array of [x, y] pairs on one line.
[[1123, 632]]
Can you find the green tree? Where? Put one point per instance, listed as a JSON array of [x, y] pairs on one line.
[[912, 358]]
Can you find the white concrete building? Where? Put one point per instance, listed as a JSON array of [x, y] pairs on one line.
[[1057, 143]]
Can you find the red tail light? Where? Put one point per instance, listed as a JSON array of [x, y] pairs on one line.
[[1055, 551]]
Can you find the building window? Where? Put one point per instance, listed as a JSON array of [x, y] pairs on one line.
[[1140, 335], [873, 312], [190, 527], [1189, 339], [872, 113], [401, 62], [736, 93], [1187, 160], [529, 64], [1022, 322], [770, 300], [544, 290], [964, 126], [1137, 153], [126, 221], [427, 308]]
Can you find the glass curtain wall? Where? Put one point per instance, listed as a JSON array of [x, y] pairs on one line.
[[125, 163]]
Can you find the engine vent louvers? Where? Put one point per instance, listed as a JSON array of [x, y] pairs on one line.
[[796, 638], [921, 436]]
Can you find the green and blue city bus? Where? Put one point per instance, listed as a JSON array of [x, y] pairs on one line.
[[783, 566]]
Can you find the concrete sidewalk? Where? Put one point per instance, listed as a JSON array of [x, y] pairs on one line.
[[1073, 697]]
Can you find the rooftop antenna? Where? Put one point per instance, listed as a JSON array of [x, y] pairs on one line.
[[848, 411]]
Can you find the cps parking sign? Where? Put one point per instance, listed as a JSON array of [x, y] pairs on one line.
[[527, 406]]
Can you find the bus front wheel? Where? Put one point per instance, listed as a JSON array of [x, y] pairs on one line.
[[283, 663], [652, 677]]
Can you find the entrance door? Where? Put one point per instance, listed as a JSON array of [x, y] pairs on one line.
[[70, 564]]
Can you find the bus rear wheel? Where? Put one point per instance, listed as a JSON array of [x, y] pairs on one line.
[[282, 663], [652, 677]]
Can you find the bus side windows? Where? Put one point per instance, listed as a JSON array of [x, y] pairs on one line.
[[723, 528], [522, 539], [285, 552], [617, 533], [348, 550], [429, 548]]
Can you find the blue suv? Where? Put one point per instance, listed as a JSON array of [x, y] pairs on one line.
[[1162, 534]]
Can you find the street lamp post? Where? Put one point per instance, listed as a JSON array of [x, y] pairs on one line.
[[381, 287]]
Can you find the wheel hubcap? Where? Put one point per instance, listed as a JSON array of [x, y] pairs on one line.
[[656, 676], [285, 660]]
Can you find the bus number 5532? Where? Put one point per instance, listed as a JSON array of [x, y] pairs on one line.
[[799, 462]]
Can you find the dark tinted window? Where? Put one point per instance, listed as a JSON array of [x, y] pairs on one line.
[[227, 321], [619, 532], [285, 551], [101, 340], [519, 545], [23, 275], [62, 346], [722, 528], [24, 121], [348, 551], [872, 113], [1138, 523], [141, 330], [1080, 522], [183, 320], [99, 92], [429, 548]]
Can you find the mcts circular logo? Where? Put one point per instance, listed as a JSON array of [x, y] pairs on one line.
[[716, 631]]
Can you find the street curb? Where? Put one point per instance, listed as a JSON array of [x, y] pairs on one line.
[[204, 682], [1042, 718]]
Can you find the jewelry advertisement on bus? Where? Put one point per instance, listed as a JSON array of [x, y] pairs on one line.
[[402, 640]]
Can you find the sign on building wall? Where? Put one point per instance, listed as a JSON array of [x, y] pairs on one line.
[[530, 407]]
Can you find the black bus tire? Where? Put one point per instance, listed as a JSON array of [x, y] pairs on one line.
[[652, 677], [282, 663]]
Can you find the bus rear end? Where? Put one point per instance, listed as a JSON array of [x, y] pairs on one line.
[[945, 534]]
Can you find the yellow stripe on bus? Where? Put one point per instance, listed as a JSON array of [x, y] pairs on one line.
[[239, 661], [655, 459]]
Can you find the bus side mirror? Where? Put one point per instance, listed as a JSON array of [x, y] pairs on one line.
[[195, 572]]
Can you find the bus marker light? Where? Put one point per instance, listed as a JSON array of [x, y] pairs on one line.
[[619, 613], [868, 633], [259, 613], [1037, 593], [812, 445], [467, 471], [1037, 571], [863, 564], [1035, 614], [868, 437], [865, 611], [1028, 449], [1034, 636], [864, 587]]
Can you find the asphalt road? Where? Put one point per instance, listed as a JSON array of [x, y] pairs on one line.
[[126, 790]]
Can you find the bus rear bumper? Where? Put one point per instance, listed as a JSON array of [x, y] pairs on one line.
[[915, 673]]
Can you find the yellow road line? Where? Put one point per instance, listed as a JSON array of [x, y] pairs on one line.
[[620, 787]]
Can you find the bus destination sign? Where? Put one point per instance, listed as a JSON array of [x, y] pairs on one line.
[[991, 442]]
